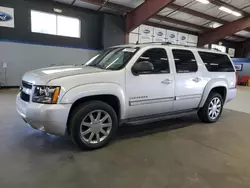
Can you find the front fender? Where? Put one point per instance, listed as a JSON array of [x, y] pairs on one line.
[[93, 89], [218, 82]]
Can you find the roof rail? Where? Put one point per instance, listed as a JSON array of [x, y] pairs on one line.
[[183, 45], [163, 43], [169, 43], [216, 49]]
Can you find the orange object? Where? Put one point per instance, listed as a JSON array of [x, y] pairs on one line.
[[55, 96]]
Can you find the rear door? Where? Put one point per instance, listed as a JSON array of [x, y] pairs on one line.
[[189, 82]]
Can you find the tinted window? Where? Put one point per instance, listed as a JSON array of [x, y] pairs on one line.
[[184, 61], [158, 57], [216, 62]]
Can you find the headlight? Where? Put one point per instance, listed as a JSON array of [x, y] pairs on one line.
[[46, 94]]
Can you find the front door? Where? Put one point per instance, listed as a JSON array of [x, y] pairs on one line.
[[150, 92]]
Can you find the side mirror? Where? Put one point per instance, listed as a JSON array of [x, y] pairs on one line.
[[142, 67]]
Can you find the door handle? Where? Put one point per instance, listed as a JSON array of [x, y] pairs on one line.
[[167, 81], [197, 79]]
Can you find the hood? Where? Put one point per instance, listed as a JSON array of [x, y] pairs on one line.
[[43, 76]]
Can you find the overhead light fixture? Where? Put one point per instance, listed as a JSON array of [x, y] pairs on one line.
[[57, 10], [229, 11], [203, 1], [214, 25], [225, 9], [236, 13]]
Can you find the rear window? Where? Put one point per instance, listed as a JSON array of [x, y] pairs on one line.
[[216, 62]]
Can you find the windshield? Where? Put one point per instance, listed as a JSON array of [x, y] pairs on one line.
[[112, 58]]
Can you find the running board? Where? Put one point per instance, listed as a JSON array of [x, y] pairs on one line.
[[156, 118]]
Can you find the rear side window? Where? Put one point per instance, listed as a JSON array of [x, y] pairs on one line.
[[216, 62], [185, 61]]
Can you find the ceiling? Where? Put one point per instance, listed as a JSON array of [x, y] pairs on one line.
[[199, 17]]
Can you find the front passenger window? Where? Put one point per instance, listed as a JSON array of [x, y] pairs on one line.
[[158, 57]]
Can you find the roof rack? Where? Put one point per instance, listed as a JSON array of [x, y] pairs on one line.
[[216, 49], [169, 43]]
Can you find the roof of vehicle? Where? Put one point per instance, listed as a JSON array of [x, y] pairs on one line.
[[170, 46]]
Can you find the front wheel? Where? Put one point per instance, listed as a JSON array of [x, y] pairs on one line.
[[212, 109], [93, 124]]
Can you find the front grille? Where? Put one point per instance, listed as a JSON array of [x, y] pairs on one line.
[[25, 97], [26, 84]]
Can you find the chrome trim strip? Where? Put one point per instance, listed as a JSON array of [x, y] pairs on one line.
[[167, 99], [183, 97], [150, 101]]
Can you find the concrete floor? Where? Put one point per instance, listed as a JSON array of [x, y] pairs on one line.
[[178, 153], [241, 102]]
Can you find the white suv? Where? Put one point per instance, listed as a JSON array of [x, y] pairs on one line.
[[129, 83]]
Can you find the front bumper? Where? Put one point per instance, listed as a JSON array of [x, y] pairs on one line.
[[50, 118]]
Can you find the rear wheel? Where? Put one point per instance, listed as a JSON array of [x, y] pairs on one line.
[[93, 124], [212, 109]]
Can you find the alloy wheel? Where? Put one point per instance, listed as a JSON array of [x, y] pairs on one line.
[[96, 126], [214, 108]]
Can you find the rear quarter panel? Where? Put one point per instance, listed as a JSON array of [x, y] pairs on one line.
[[217, 79]]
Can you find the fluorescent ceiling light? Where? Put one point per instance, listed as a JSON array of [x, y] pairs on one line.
[[215, 25], [225, 9], [229, 11], [236, 13], [203, 1]]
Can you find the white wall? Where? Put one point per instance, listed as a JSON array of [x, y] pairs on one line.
[[21, 58]]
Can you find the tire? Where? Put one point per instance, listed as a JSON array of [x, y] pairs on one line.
[[85, 124], [205, 114]]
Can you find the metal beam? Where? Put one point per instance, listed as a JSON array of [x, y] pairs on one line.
[[223, 31], [221, 3], [238, 38], [171, 20], [143, 12], [127, 9], [109, 5], [179, 22], [95, 2], [196, 13]]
